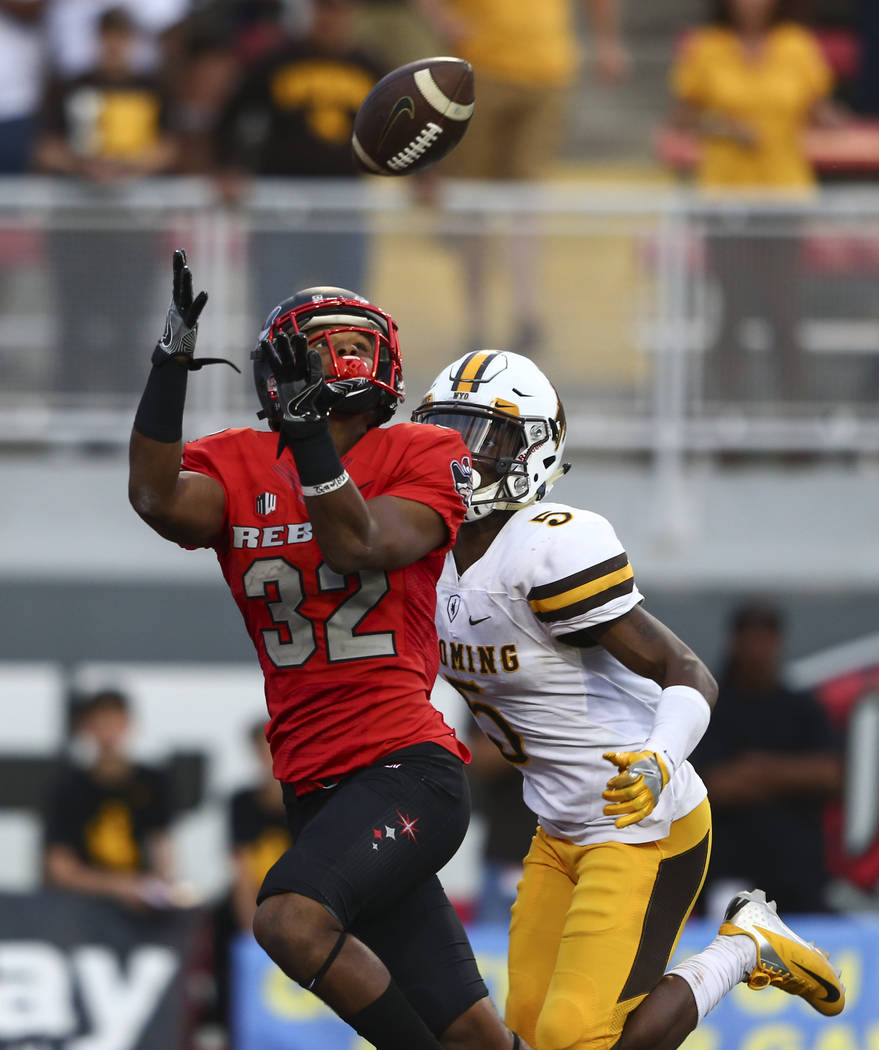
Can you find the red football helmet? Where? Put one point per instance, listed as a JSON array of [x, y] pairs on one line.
[[320, 312]]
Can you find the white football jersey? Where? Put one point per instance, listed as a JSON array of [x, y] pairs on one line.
[[552, 708]]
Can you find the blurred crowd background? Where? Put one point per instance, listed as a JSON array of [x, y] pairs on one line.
[[673, 207]]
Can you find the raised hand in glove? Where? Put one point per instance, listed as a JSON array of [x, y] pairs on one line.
[[304, 394], [634, 792], [181, 325]]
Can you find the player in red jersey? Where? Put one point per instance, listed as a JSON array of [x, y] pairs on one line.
[[331, 534]]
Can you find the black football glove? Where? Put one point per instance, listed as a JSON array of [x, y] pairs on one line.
[[181, 325], [305, 396]]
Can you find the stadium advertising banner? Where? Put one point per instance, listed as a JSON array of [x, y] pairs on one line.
[[272, 1013], [78, 973], [772, 1020]]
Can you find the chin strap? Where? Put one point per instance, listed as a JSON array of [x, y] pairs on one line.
[[195, 363]]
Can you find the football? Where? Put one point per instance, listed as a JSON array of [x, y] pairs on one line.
[[413, 116]]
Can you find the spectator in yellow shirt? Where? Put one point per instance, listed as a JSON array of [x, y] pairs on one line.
[[748, 84], [525, 57]]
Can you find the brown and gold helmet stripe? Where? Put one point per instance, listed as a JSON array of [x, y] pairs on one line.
[[471, 371]]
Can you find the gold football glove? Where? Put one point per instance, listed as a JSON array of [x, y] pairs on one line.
[[635, 790]]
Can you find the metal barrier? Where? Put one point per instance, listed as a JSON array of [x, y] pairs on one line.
[[670, 324]]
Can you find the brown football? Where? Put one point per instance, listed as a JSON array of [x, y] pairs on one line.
[[413, 116]]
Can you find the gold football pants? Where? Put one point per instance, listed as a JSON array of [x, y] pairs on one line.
[[593, 929]]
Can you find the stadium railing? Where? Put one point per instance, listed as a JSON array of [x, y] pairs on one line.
[[630, 287]]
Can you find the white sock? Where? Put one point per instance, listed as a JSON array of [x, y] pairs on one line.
[[716, 970]]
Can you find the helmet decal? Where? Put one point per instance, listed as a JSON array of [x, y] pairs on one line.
[[510, 407], [477, 367], [462, 476]]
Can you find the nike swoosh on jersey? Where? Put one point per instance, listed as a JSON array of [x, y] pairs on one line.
[[832, 991], [481, 619]]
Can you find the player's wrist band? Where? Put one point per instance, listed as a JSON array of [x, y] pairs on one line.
[[160, 412], [682, 716], [326, 486], [317, 461]]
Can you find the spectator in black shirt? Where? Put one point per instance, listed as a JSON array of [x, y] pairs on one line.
[[868, 80], [770, 761], [258, 832], [108, 817], [207, 78], [294, 109], [293, 115], [258, 835], [110, 122], [103, 127]]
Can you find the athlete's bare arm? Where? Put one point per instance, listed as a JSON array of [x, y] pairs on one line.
[[382, 533], [180, 505], [353, 533], [646, 646]]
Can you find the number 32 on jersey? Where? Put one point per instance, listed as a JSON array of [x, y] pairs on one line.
[[294, 641]]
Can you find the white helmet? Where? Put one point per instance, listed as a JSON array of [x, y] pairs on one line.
[[510, 418]]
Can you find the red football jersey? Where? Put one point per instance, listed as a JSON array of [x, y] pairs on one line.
[[349, 661]]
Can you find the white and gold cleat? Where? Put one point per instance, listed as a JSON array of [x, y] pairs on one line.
[[783, 959]]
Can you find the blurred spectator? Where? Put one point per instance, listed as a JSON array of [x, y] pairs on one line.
[[770, 761], [208, 74], [525, 58], [253, 27], [748, 84], [868, 81], [258, 835], [107, 819], [293, 111], [109, 122], [398, 31], [258, 25], [258, 831], [73, 32], [293, 115], [20, 81], [106, 125], [509, 828], [836, 13]]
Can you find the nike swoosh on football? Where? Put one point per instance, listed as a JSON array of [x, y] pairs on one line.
[[832, 990], [481, 619], [401, 106]]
